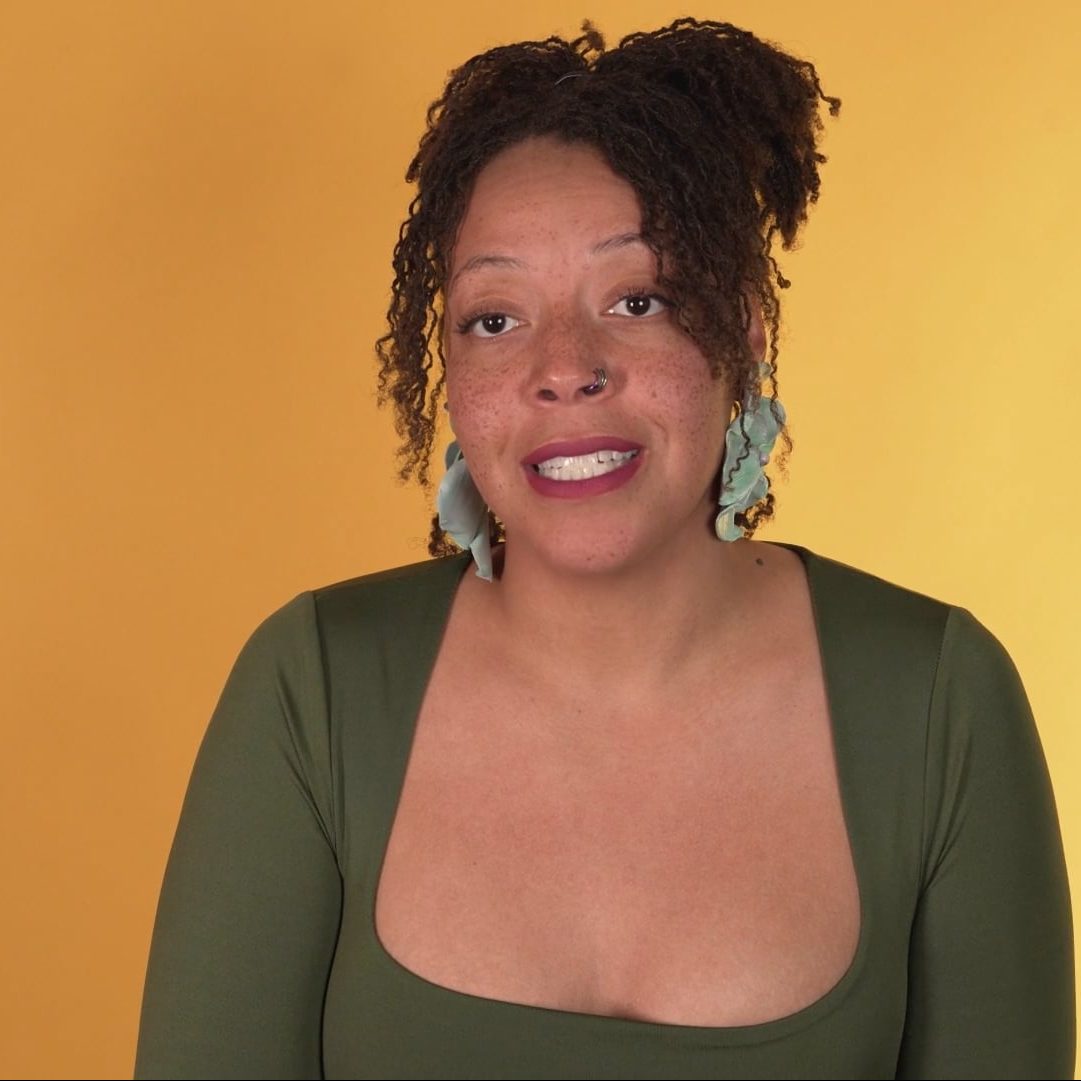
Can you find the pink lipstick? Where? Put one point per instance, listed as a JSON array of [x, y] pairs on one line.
[[609, 462]]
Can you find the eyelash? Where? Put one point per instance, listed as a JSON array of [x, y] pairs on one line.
[[644, 291], [465, 325]]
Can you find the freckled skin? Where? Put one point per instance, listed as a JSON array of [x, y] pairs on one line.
[[547, 204]]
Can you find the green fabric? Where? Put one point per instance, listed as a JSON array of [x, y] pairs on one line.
[[264, 962]]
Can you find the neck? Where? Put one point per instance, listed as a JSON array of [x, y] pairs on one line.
[[632, 630]]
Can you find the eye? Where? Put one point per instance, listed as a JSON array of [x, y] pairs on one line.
[[487, 324], [639, 304]]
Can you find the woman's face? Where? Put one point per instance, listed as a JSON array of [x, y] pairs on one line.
[[548, 282]]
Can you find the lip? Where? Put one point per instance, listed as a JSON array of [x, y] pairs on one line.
[[571, 448], [583, 489]]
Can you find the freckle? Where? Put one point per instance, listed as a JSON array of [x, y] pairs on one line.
[[758, 560]]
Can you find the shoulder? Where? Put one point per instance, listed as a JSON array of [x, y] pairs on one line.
[[860, 600], [396, 591], [935, 687], [426, 573], [869, 626], [359, 634], [899, 646], [863, 596], [349, 635], [901, 643], [398, 598], [288, 647]]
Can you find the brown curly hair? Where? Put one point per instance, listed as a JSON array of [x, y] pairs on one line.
[[717, 132]]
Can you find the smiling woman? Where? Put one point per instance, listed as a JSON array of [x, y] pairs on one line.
[[574, 285], [643, 796]]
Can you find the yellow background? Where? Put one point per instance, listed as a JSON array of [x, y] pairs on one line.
[[198, 202]]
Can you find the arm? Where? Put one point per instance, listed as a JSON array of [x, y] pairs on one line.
[[991, 979], [249, 909]]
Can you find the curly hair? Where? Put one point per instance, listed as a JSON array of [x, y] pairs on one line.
[[716, 130]]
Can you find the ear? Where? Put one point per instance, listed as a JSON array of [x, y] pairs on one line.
[[754, 325]]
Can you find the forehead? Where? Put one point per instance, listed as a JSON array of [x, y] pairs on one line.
[[545, 188]]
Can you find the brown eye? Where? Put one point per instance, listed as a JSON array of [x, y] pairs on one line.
[[639, 304], [488, 325]]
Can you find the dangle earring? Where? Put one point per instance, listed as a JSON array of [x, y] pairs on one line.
[[463, 514], [748, 443]]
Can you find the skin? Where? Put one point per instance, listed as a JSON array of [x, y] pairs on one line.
[[639, 567], [624, 744]]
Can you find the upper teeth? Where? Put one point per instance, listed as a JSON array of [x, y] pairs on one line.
[[584, 466]]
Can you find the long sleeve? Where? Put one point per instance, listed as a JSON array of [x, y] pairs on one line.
[[250, 906], [991, 985]]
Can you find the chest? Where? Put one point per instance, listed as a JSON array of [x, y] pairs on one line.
[[685, 863]]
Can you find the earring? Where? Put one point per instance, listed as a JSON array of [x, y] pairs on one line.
[[463, 514], [748, 443]]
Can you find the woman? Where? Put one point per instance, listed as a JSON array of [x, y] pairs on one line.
[[640, 797]]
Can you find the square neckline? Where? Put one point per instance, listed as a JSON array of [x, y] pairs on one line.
[[731, 1035]]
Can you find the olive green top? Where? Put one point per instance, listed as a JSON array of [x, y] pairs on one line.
[[265, 962]]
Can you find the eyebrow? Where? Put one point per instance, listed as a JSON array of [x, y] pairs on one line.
[[613, 243], [508, 262], [479, 261]]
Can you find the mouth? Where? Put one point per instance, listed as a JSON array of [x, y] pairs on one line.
[[583, 466]]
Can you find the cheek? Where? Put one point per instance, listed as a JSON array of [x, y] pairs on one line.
[[467, 400], [480, 415], [697, 410]]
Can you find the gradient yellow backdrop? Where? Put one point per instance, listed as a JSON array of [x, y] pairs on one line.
[[198, 201]]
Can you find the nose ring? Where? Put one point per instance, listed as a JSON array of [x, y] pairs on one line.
[[600, 381]]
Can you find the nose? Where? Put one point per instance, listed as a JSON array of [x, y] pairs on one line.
[[569, 365]]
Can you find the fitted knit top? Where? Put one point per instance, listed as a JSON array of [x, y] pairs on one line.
[[265, 960]]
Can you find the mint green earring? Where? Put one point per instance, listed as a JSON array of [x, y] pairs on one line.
[[463, 514], [748, 443]]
